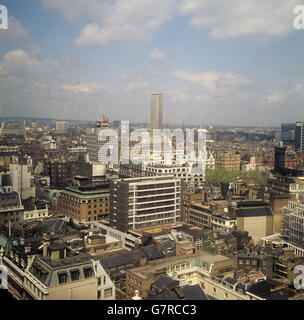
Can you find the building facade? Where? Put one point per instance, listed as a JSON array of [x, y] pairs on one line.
[[228, 161], [85, 203], [11, 208], [145, 202], [293, 226], [156, 112], [299, 137]]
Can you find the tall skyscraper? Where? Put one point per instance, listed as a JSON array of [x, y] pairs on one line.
[[299, 137], [156, 112], [279, 158], [288, 133], [93, 145]]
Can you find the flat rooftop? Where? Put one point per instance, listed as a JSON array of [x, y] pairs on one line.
[[152, 267]]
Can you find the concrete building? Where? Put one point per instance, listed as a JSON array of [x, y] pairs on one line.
[[293, 226], [223, 221], [191, 196], [256, 217], [48, 193], [62, 173], [178, 171], [228, 161], [61, 127], [183, 172], [200, 215], [279, 158], [156, 112], [296, 189], [93, 145], [77, 278], [85, 203], [276, 202], [138, 203], [21, 177], [129, 242], [288, 133], [35, 210], [188, 270], [299, 137], [11, 208]]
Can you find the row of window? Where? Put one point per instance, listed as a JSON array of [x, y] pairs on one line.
[[178, 267], [74, 275], [31, 215], [99, 217], [65, 199]]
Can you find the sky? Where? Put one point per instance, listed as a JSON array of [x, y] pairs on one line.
[[216, 62]]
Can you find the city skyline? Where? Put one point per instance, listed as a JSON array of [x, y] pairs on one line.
[[151, 150], [244, 65]]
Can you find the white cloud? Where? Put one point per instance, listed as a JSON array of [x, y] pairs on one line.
[[284, 94], [15, 31], [115, 21], [156, 54], [87, 88], [235, 18], [92, 35], [135, 86], [213, 80], [19, 63]]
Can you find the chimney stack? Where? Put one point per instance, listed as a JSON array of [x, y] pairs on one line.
[[45, 242]]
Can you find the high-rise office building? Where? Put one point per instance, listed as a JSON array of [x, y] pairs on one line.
[[144, 202], [292, 226], [288, 133], [299, 137], [156, 112], [20, 174], [93, 145], [279, 158]]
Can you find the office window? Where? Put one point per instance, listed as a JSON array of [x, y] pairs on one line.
[[108, 293], [88, 272], [75, 274], [62, 277]]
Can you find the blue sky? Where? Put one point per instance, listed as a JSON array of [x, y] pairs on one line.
[[216, 62]]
